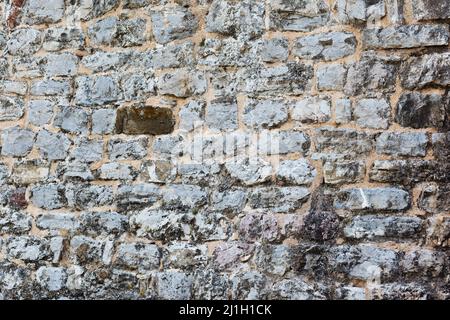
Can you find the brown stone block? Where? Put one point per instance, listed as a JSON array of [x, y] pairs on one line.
[[144, 120]]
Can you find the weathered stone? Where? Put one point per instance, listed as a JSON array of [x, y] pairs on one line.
[[182, 83], [138, 86], [74, 171], [441, 145], [14, 222], [274, 50], [86, 9], [51, 278], [17, 142], [63, 64], [222, 115], [274, 259], [159, 171], [161, 225], [144, 120], [298, 172], [50, 196], [372, 226], [199, 173], [73, 120], [192, 115], [439, 232], [11, 108], [227, 52], [343, 171], [27, 172], [320, 225], [180, 255], [278, 199], [24, 42], [96, 90], [259, 227], [248, 285], [85, 250], [114, 32], [290, 78], [43, 11], [405, 37], [284, 142], [402, 144], [435, 198], [95, 223], [229, 202], [424, 262], [52, 146], [371, 72], [399, 291], [426, 70], [417, 110], [168, 146], [331, 76], [431, 9], [249, 171], [228, 256], [87, 150], [102, 61], [372, 113], [24, 67], [58, 222], [137, 255], [345, 141], [325, 46], [40, 112], [133, 4], [58, 38], [343, 110], [244, 19], [211, 226], [137, 196], [359, 11], [296, 289], [119, 149], [408, 171], [172, 56], [388, 199], [174, 285], [183, 197], [312, 110], [14, 87], [27, 248], [173, 23], [51, 87], [103, 121], [265, 114], [117, 171], [84, 196], [298, 15]]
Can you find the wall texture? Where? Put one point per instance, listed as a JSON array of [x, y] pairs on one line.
[[176, 149]]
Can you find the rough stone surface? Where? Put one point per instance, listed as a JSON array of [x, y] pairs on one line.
[[417, 110], [406, 37], [224, 149]]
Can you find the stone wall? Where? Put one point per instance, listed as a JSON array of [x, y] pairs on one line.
[[213, 149]]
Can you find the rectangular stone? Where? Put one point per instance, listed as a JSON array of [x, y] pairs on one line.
[[431, 9], [144, 120], [298, 15], [410, 36], [382, 199], [402, 144]]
